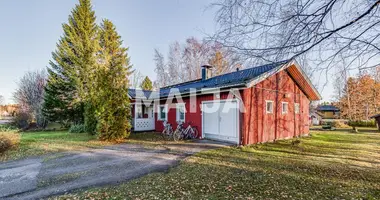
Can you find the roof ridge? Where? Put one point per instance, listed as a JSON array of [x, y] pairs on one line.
[[250, 68], [242, 70], [166, 87]]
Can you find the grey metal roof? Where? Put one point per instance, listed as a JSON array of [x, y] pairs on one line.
[[327, 108], [232, 79], [375, 116], [142, 94]]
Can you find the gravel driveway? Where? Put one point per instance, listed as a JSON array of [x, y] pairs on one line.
[[41, 177]]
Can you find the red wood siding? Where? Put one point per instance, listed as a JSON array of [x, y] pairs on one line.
[[195, 118], [258, 126]]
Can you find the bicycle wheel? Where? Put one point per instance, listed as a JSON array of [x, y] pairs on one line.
[[165, 134], [177, 135], [193, 133]]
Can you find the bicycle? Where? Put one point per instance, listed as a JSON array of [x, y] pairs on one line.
[[181, 133], [167, 133]]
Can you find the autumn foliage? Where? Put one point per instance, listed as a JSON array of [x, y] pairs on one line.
[[361, 97]]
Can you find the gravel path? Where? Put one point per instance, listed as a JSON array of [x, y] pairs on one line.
[[41, 177]]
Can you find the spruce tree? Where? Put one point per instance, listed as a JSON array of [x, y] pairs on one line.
[[59, 105], [113, 108], [146, 84], [80, 45]]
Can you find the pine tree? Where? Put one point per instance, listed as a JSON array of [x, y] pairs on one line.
[[113, 108], [146, 84]]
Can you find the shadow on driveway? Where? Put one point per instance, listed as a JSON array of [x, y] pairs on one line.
[[59, 173]]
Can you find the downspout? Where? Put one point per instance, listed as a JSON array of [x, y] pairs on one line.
[[257, 115], [294, 109], [276, 113], [250, 112]]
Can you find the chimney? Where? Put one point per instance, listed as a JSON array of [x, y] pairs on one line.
[[237, 69], [206, 72]]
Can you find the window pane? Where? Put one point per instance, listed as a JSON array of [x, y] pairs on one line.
[[297, 108], [139, 111], [163, 115], [162, 112], [181, 112], [269, 107], [284, 107]]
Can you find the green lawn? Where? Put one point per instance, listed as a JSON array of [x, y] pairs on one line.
[[328, 165], [39, 143]]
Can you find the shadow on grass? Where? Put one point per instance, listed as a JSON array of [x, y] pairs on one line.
[[227, 174], [317, 167]]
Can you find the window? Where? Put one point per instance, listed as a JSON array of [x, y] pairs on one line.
[[285, 107], [139, 113], [297, 108], [162, 113], [180, 112], [269, 106]]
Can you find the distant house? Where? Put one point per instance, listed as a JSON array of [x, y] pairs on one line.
[[315, 118], [328, 112], [249, 106], [377, 118]]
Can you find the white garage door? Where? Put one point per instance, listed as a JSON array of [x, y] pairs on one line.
[[220, 120]]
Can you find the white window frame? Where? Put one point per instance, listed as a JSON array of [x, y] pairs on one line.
[[159, 112], [282, 107], [297, 108], [139, 111], [266, 107], [178, 105]]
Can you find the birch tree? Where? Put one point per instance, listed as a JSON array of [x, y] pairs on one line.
[[161, 70], [2, 100], [275, 30], [185, 61], [30, 95], [136, 79], [360, 98]]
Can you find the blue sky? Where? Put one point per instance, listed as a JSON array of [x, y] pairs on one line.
[[31, 29]]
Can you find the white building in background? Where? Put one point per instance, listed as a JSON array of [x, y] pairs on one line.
[[315, 119]]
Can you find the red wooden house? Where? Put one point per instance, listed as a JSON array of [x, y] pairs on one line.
[[249, 106]]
